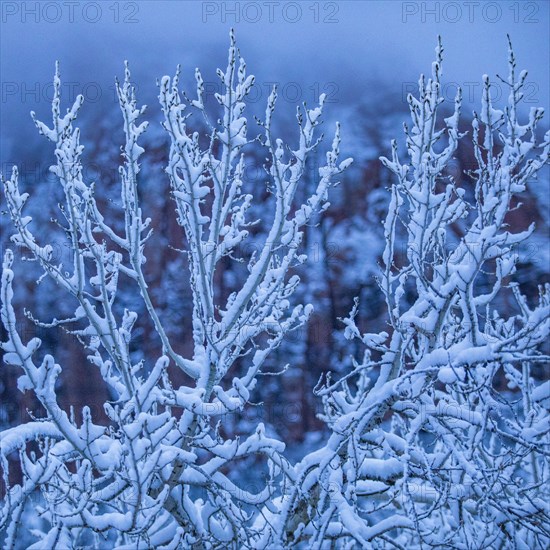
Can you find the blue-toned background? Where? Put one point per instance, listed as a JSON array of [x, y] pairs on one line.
[[358, 45]]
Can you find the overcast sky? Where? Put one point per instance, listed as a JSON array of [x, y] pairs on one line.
[[341, 48]]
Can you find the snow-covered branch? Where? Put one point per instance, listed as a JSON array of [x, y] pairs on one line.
[[424, 445], [151, 477]]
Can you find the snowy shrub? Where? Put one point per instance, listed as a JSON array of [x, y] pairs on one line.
[[423, 448], [152, 477]]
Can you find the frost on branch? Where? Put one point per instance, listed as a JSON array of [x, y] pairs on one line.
[[153, 478]]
